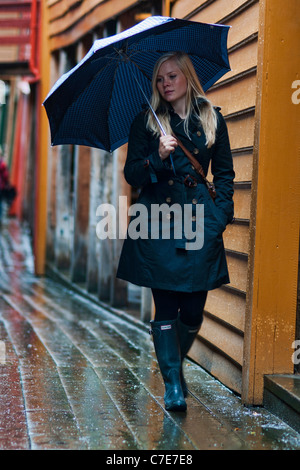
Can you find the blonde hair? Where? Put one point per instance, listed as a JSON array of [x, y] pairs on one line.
[[204, 110]]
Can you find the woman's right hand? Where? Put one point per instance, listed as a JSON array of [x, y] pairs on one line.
[[167, 145]]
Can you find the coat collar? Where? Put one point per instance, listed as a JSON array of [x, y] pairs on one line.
[[177, 121]]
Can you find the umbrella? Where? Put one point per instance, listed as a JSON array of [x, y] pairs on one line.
[[94, 103]]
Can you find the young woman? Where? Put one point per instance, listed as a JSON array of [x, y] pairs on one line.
[[178, 268]]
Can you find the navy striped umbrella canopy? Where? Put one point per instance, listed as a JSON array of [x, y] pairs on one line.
[[95, 102]]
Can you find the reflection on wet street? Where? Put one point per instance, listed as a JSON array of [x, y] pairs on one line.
[[73, 375]]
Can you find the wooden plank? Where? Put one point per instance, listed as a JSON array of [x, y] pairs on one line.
[[81, 200], [102, 13], [63, 177], [81, 214], [106, 245], [236, 237], [50, 3], [244, 25], [231, 97], [66, 8], [9, 54], [94, 258], [10, 40], [243, 165], [206, 12], [241, 59], [20, 7], [223, 339], [66, 18], [227, 306], [51, 213], [121, 188], [241, 130], [15, 22], [217, 364], [181, 9], [237, 267], [242, 202], [242, 162]]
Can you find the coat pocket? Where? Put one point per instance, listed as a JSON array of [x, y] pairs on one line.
[[216, 214]]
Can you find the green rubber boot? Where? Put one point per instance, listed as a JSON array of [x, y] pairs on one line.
[[166, 345], [186, 335]]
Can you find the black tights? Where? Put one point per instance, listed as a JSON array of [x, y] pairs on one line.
[[189, 305]]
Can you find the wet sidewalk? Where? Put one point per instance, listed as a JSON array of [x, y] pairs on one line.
[[75, 375]]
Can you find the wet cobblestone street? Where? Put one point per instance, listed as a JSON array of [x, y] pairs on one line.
[[75, 375]]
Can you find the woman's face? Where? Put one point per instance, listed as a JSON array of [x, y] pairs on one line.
[[171, 82]]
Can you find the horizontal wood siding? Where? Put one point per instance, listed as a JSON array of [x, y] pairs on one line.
[[70, 20], [220, 343]]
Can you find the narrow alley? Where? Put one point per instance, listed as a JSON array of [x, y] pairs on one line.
[[77, 376]]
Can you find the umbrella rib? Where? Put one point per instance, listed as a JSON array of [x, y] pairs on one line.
[[110, 98], [137, 66], [146, 98]]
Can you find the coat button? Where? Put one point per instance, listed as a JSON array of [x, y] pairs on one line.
[[195, 151], [199, 133], [168, 200], [193, 218], [170, 182], [194, 201]]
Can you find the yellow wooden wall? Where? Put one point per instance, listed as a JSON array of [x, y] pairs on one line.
[[221, 339], [271, 311]]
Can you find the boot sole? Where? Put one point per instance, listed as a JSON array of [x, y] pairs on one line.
[[176, 407]]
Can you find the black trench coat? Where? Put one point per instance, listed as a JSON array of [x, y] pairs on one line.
[[167, 262]]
